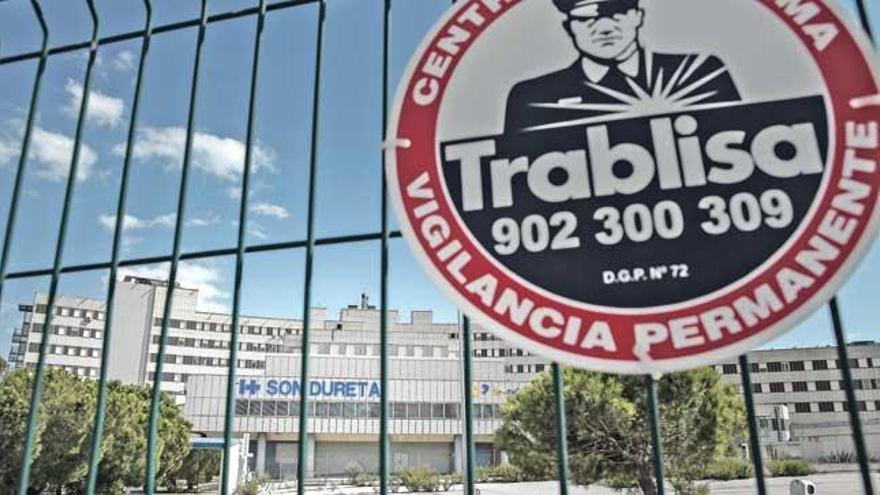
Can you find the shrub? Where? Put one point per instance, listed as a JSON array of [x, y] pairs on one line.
[[839, 457], [789, 467], [364, 479], [252, 487], [420, 479], [352, 471], [450, 480], [729, 468], [507, 473]]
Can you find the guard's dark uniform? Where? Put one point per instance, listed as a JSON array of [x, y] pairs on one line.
[[572, 85]]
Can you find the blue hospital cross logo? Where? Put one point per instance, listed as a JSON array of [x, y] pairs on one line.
[[251, 387]]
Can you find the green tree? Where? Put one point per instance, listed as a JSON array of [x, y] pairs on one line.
[[64, 431], [3, 366], [607, 429]]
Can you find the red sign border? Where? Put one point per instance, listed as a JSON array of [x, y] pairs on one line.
[[412, 138]]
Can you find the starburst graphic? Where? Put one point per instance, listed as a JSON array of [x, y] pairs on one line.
[[663, 93]]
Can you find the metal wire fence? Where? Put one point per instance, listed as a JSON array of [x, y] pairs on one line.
[[259, 13]]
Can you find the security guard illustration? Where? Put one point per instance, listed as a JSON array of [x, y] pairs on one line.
[[614, 73]]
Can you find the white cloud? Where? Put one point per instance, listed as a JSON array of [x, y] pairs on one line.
[[52, 152], [203, 276], [269, 210], [222, 157], [104, 110], [131, 222], [123, 61], [8, 151]]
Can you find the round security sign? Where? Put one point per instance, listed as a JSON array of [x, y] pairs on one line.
[[638, 186]]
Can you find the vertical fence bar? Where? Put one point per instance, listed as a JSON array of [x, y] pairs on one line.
[[384, 439], [754, 437], [229, 420], [842, 353], [101, 408], [656, 442], [467, 385], [156, 400], [854, 419], [302, 462], [561, 430], [25, 145], [39, 374], [864, 19]]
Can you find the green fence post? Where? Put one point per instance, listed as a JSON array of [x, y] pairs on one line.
[[156, 399], [468, 425], [229, 420], [39, 373], [854, 419], [12, 215], [754, 437], [301, 472], [656, 441], [384, 437], [101, 408], [561, 430]]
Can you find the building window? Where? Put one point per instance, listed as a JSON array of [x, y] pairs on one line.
[[826, 407], [799, 386], [823, 385], [241, 408], [820, 364], [775, 367], [860, 406], [796, 366], [758, 388], [254, 408], [777, 387], [729, 369], [853, 363], [802, 407]]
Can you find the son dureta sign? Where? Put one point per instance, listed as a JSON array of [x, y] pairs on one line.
[[638, 186], [280, 387]]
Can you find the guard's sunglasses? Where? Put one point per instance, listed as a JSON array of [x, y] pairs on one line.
[[601, 10]]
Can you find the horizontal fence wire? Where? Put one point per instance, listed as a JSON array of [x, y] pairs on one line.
[[308, 244], [101, 406], [164, 28], [206, 254]]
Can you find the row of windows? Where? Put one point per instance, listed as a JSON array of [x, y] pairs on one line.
[[83, 371], [220, 327], [779, 366], [208, 361], [67, 350], [820, 386], [500, 353], [87, 333], [74, 312], [807, 407], [363, 410], [524, 368], [217, 344], [321, 348]]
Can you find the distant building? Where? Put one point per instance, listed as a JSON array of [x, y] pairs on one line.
[[807, 381], [425, 379]]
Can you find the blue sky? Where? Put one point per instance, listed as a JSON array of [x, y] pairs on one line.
[[348, 181]]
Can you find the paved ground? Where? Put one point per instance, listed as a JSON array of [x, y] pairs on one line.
[[826, 484]]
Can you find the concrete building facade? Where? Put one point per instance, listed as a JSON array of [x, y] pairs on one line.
[[800, 401]]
